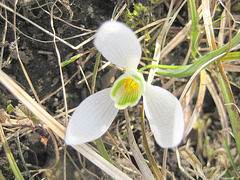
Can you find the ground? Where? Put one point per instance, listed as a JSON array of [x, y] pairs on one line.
[[76, 21]]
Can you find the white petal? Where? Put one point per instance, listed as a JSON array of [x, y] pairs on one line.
[[118, 44], [165, 116], [91, 119]]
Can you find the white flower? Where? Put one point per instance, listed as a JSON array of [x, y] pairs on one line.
[[95, 114]]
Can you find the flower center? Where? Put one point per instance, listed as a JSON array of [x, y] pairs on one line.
[[130, 84], [127, 90]]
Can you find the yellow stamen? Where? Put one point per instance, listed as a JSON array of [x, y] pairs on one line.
[[130, 84]]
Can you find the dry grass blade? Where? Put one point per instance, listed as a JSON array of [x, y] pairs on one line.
[[199, 103], [32, 105], [179, 37], [208, 25], [3, 40], [115, 17], [221, 30], [181, 167], [44, 36], [47, 32], [57, 128], [160, 42], [136, 152], [60, 67], [34, 24], [195, 75], [22, 158], [9, 155], [101, 162], [231, 68], [195, 163], [220, 107], [19, 58]]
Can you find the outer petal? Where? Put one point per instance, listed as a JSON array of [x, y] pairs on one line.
[[165, 116], [119, 45], [91, 119]]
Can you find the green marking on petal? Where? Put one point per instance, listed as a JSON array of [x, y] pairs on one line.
[[127, 90], [117, 85]]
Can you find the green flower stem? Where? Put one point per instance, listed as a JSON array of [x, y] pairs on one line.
[[157, 173], [99, 142], [10, 157]]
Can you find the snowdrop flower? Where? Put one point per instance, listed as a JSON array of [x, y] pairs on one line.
[[95, 114]]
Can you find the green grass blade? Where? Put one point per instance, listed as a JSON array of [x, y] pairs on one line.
[[95, 70], [102, 150], [157, 173], [229, 154], [1, 176], [188, 70], [64, 63], [100, 145], [194, 27], [10, 157], [74, 58], [231, 56], [232, 110]]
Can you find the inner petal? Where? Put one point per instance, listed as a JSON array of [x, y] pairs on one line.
[[127, 90]]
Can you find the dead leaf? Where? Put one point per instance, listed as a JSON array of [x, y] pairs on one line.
[[3, 115]]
